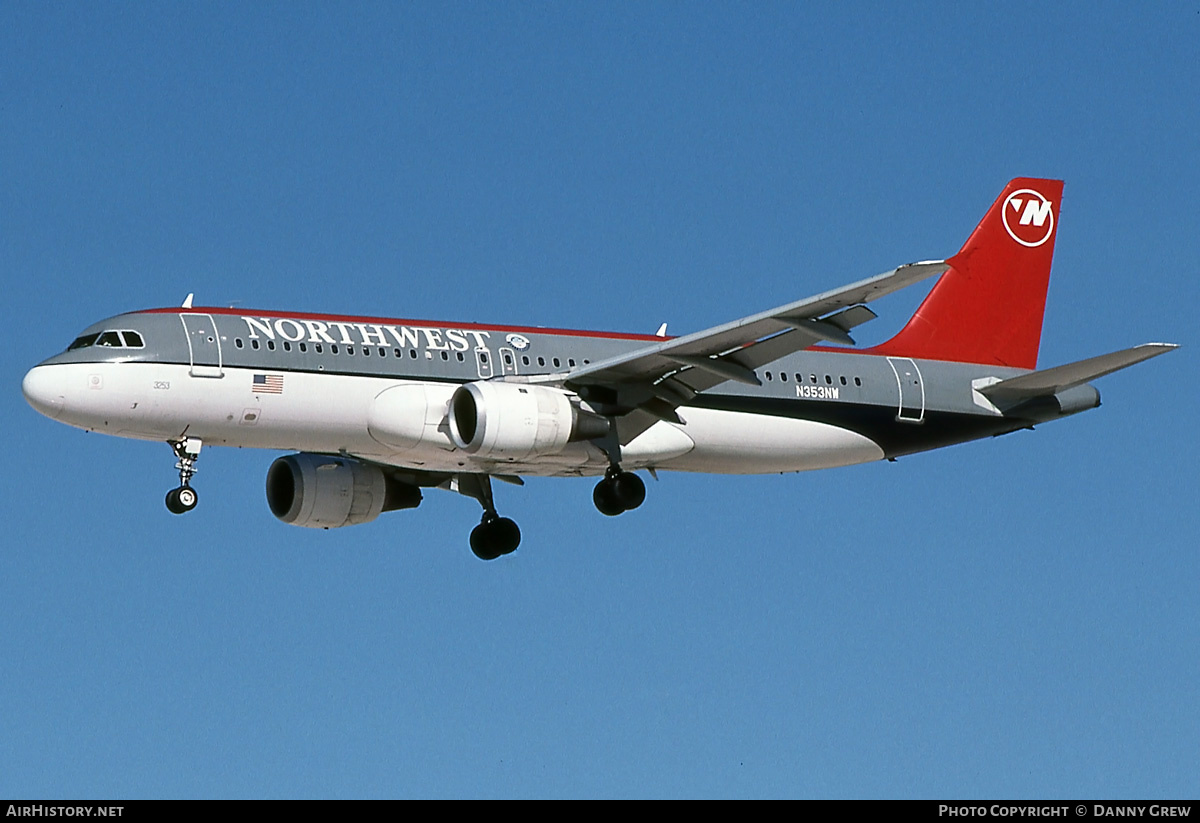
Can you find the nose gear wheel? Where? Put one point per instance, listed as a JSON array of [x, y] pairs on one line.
[[184, 498]]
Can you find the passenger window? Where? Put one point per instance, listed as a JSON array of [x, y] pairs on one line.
[[333, 349], [382, 351], [857, 382], [349, 350], [541, 361], [254, 344], [271, 345], [237, 341], [556, 363], [813, 378], [843, 379], [287, 346], [783, 376], [768, 374], [366, 351], [828, 380], [507, 359], [303, 347], [397, 352], [483, 357], [571, 362], [320, 348], [460, 356], [445, 356], [525, 359]]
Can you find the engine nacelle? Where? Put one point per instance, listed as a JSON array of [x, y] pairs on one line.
[[511, 421], [326, 492]]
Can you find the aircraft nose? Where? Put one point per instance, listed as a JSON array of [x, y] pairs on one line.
[[43, 390]]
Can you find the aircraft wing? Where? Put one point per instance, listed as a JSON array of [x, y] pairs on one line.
[[725, 350], [654, 380]]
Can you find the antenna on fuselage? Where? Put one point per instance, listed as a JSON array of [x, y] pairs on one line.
[[187, 301], [662, 331]]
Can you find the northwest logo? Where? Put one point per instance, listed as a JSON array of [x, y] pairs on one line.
[[1028, 217]]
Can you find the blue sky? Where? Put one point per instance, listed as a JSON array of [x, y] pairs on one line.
[[1009, 618]]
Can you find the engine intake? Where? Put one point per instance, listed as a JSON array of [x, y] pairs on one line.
[[510, 421], [325, 492]]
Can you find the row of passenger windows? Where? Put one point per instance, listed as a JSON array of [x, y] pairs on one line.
[[812, 378], [526, 360], [132, 340], [109, 339], [384, 351]]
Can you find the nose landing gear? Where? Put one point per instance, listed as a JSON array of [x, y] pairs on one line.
[[184, 498]]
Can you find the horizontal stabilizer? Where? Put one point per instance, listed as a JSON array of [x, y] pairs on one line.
[[1060, 378]]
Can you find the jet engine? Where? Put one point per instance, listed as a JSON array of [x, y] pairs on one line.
[[511, 421], [325, 492]]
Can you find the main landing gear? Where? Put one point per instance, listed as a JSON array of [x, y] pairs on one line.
[[184, 498], [619, 492], [495, 535]]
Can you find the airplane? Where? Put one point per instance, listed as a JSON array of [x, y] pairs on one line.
[[377, 409]]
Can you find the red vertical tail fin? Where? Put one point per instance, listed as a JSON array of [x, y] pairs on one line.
[[988, 307]]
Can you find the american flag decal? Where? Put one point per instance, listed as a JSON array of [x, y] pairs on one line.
[[267, 384]]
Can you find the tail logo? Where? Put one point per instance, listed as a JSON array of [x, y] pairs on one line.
[[1028, 217]]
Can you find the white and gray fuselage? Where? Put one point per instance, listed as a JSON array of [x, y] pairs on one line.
[[381, 389]]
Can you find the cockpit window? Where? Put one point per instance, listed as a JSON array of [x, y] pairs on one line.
[[83, 342], [109, 339]]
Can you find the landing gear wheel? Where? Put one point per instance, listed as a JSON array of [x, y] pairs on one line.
[[619, 492], [494, 537], [606, 499], [481, 543], [182, 500], [630, 490]]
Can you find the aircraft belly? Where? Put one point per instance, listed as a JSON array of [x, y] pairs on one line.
[[330, 413], [730, 442], [305, 411], [161, 401]]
